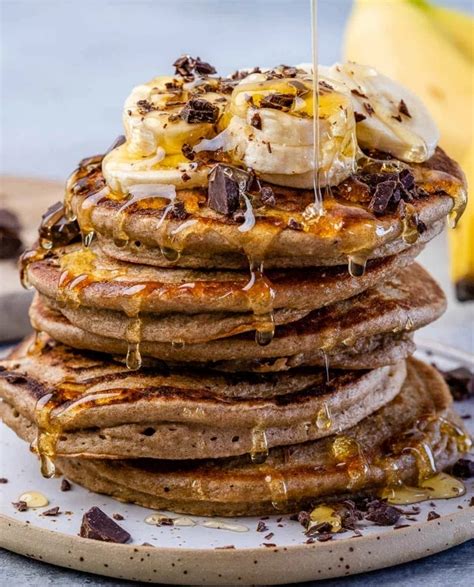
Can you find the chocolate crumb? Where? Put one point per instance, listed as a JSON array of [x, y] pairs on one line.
[[118, 517], [466, 416], [269, 544], [324, 537], [256, 121], [294, 224], [397, 117], [471, 502], [358, 94], [96, 525], [261, 526], [402, 108], [269, 536], [432, 516], [20, 506], [369, 108], [185, 177], [398, 527], [359, 117], [188, 152], [65, 485], [3, 480], [178, 211], [227, 547], [52, 511], [463, 468]]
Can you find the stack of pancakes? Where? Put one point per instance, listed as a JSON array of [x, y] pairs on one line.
[[183, 363]]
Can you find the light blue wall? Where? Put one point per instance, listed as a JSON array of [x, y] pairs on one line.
[[69, 64]]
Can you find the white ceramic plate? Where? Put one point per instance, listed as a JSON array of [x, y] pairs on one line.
[[201, 555]]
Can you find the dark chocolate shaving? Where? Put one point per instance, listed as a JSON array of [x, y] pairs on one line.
[[402, 108], [96, 525], [369, 108], [261, 526], [188, 152], [278, 101], [432, 516], [186, 66], [199, 110], [52, 512], [358, 93], [359, 117], [382, 514], [20, 506], [256, 120]]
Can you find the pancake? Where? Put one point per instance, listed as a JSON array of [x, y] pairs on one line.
[[100, 410], [383, 448], [281, 234], [403, 303], [110, 284]]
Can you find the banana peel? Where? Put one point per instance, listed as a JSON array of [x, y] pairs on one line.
[[429, 49]]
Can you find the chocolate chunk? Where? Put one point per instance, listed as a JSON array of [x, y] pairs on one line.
[[21, 506], [65, 485], [186, 66], [460, 382], [10, 240], [98, 526], [432, 516], [402, 108], [358, 93], [256, 121], [382, 196], [261, 526], [359, 117], [304, 519], [225, 186], [278, 101], [199, 110], [464, 469], [56, 228], [118, 517], [382, 514], [204, 68], [267, 196], [52, 511], [407, 179]]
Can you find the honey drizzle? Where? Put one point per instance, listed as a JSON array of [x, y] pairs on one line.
[[277, 487], [323, 418], [261, 296], [259, 449]]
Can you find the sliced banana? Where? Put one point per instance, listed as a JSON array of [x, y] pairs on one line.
[[396, 121]]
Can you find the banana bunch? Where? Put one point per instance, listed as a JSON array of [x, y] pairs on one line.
[[430, 49]]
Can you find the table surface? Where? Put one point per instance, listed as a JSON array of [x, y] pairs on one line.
[[65, 103]]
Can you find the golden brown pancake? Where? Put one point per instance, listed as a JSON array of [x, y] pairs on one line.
[[281, 236], [101, 410], [403, 303], [382, 449]]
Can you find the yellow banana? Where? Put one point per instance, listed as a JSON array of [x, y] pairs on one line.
[[430, 49]]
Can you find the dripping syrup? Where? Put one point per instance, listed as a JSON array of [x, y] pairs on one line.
[[259, 449]]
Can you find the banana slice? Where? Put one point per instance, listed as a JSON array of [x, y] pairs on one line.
[[395, 120], [278, 143]]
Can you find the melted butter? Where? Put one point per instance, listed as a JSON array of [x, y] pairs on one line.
[[325, 514], [439, 486]]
